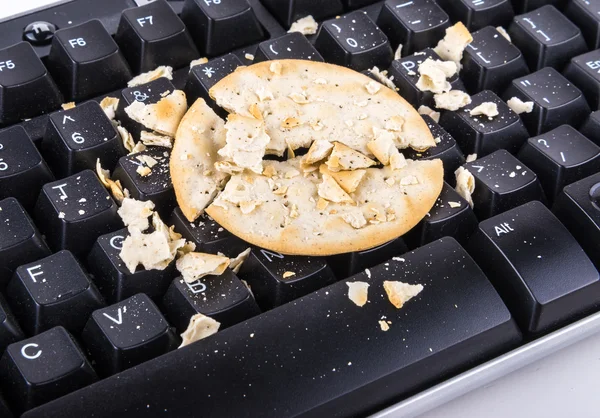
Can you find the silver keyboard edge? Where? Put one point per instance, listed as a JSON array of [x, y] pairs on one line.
[[493, 369]]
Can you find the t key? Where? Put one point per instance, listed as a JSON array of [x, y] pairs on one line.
[[43, 368], [153, 35], [586, 15], [221, 26], [289, 46], [354, 41], [26, 88], [224, 298], [77, 137], [556, 101], [126, 334], [560, 157], [23, 171], [491, 62], [546, 38], [288, 11], [584, 72], [74, 211], [518, 252], [502, 182], [86, 62], [114, 279], [20, 240], [477, 14], [416, 24], [53, 291]]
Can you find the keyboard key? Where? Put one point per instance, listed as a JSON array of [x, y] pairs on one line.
[[416, 24], [53, 291], [43, 368], [26, 88], [451, 216], [86, 62], [517, 250], [556, 101], [77, 137], [586, 15], [153, 35], [20, 240], [591, 127], [10, 332], [406, 74], [457, 321], [74, 211], [148, 93], [289, 46], [560, 157], [491, 62], [23, 171], [584, 72], [354, 41], [224, 298], [264, 271], [288, 11], [578, 208], [355, 4], [156, 186], [546, 38], [126, 334], [221, 26], [4, 409], [523, 6], [477, 14], [113, 278], [501, 183], [346, 265], [480, 135]]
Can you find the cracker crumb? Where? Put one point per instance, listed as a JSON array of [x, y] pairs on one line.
[[200, 327], [162, 71], [426, 110], [276, 67], [465, 184], [382, 77], [399, 293], [355, 218], [306, 26], [198, 61], [454, 205], [358, 292], [452, 100], [504, 33], [249, 57], [452, 46], [236, 263], [288, 274], [518, 106], [471, 158], [109, 106], [61, 215], [384, 325], [135, 213], [373, 87], [194, 266], [434, 75], [154, 139], [398, 52], [67, 106], [409, 180], [143, 170], [488, 109]]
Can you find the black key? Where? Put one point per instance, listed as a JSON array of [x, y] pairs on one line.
[[113, 278], [578, 208], [354, 41], [126, 334], [53, 291], [86, 62], [153, 35], [148, 93], [591, 127], [406, 74], [456, 322], [348, 264], [264, 270], [482, 135], [10, 332], [556, 101], [522, 6], [288, 11], [224, 298], [477, 14], [74, 211], [77, 137], [416, 24], [203, 76], [43, 368], [155, 186], [23, 171], [584, 72], [446, 150], [26, 88], [560, 157], [451, 216], [20, 240], [218, 27], [518, 251], [355, 4], [501, 183], [289, 46], [586, 15], [491, 62], [4, 409], [546, 38]]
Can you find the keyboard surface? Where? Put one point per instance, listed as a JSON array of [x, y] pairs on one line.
[[81, 335]]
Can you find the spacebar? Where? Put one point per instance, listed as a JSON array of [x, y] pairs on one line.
[[321, 355]]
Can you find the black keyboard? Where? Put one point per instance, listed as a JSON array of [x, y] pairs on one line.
[[82, 336]]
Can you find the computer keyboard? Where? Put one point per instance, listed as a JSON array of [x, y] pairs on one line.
[[82, 336]]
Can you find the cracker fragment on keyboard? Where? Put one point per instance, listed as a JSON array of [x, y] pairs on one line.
[[194, 266], [162, 71], [200, 327], [305, 25], [358, 292], [399, 293]]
